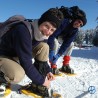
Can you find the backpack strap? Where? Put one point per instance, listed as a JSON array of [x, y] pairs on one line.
[[16, 19], [29, 26]]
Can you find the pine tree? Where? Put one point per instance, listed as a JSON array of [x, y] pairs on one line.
[[95, 40]]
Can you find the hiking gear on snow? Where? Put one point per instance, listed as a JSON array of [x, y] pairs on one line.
[[42, 90], [42, 67], [51, 54], [66, 60], [67, 69], [37, 89], [53, 15], [54, 69]]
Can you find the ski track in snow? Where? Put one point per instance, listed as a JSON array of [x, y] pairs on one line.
[[86, 67]]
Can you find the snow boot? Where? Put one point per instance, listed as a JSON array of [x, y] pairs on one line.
[[36, 89], [54, 69], [42, 67], [66, 68]]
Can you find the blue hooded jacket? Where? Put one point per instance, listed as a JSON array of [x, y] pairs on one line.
[[68, 34]]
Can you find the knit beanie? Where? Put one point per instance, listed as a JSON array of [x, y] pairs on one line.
[[77, 13], [53, 15], [83, 18]]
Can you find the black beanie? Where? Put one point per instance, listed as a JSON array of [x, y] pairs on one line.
[[77, 13], [53, 15], [82, 16]]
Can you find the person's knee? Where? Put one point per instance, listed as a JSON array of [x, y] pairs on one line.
[[45, 47], [41, 47], [13, 72], [16, 77], [42, 52]]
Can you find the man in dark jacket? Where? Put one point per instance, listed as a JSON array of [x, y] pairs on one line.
[[74, 19], [17, 42]]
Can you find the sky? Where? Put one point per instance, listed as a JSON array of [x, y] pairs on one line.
[[34, 8], [84, 61]]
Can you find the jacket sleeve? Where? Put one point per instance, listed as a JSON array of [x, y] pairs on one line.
[[56, 34], [67, 41], [23, 47]]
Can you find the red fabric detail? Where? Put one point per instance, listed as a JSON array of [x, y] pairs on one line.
[[53, 66], [50, 62], [66, 60]]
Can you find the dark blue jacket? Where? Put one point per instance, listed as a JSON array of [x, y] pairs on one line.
[[68, 34], [18, 43]]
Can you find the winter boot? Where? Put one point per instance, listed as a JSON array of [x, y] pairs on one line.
[[36, 89], [42, 67], [54, 69], [66, 68]]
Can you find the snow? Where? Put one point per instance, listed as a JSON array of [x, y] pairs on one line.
[[85, 64]]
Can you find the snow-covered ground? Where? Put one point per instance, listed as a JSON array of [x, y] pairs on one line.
[[85, 64]]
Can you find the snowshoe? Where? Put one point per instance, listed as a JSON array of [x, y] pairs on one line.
[[55, 94], [55, 71], [67, 69], [37, 91]]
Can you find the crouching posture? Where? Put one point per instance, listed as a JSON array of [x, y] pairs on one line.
[[19, 42], [66, 57], [74, 18]]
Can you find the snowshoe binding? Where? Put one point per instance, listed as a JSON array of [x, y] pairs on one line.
[[37, 91], [67, 69]]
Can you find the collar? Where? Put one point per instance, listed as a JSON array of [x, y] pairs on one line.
[[37, 34]]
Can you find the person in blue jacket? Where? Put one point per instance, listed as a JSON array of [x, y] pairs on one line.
[[74, 18], [17, 43]]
